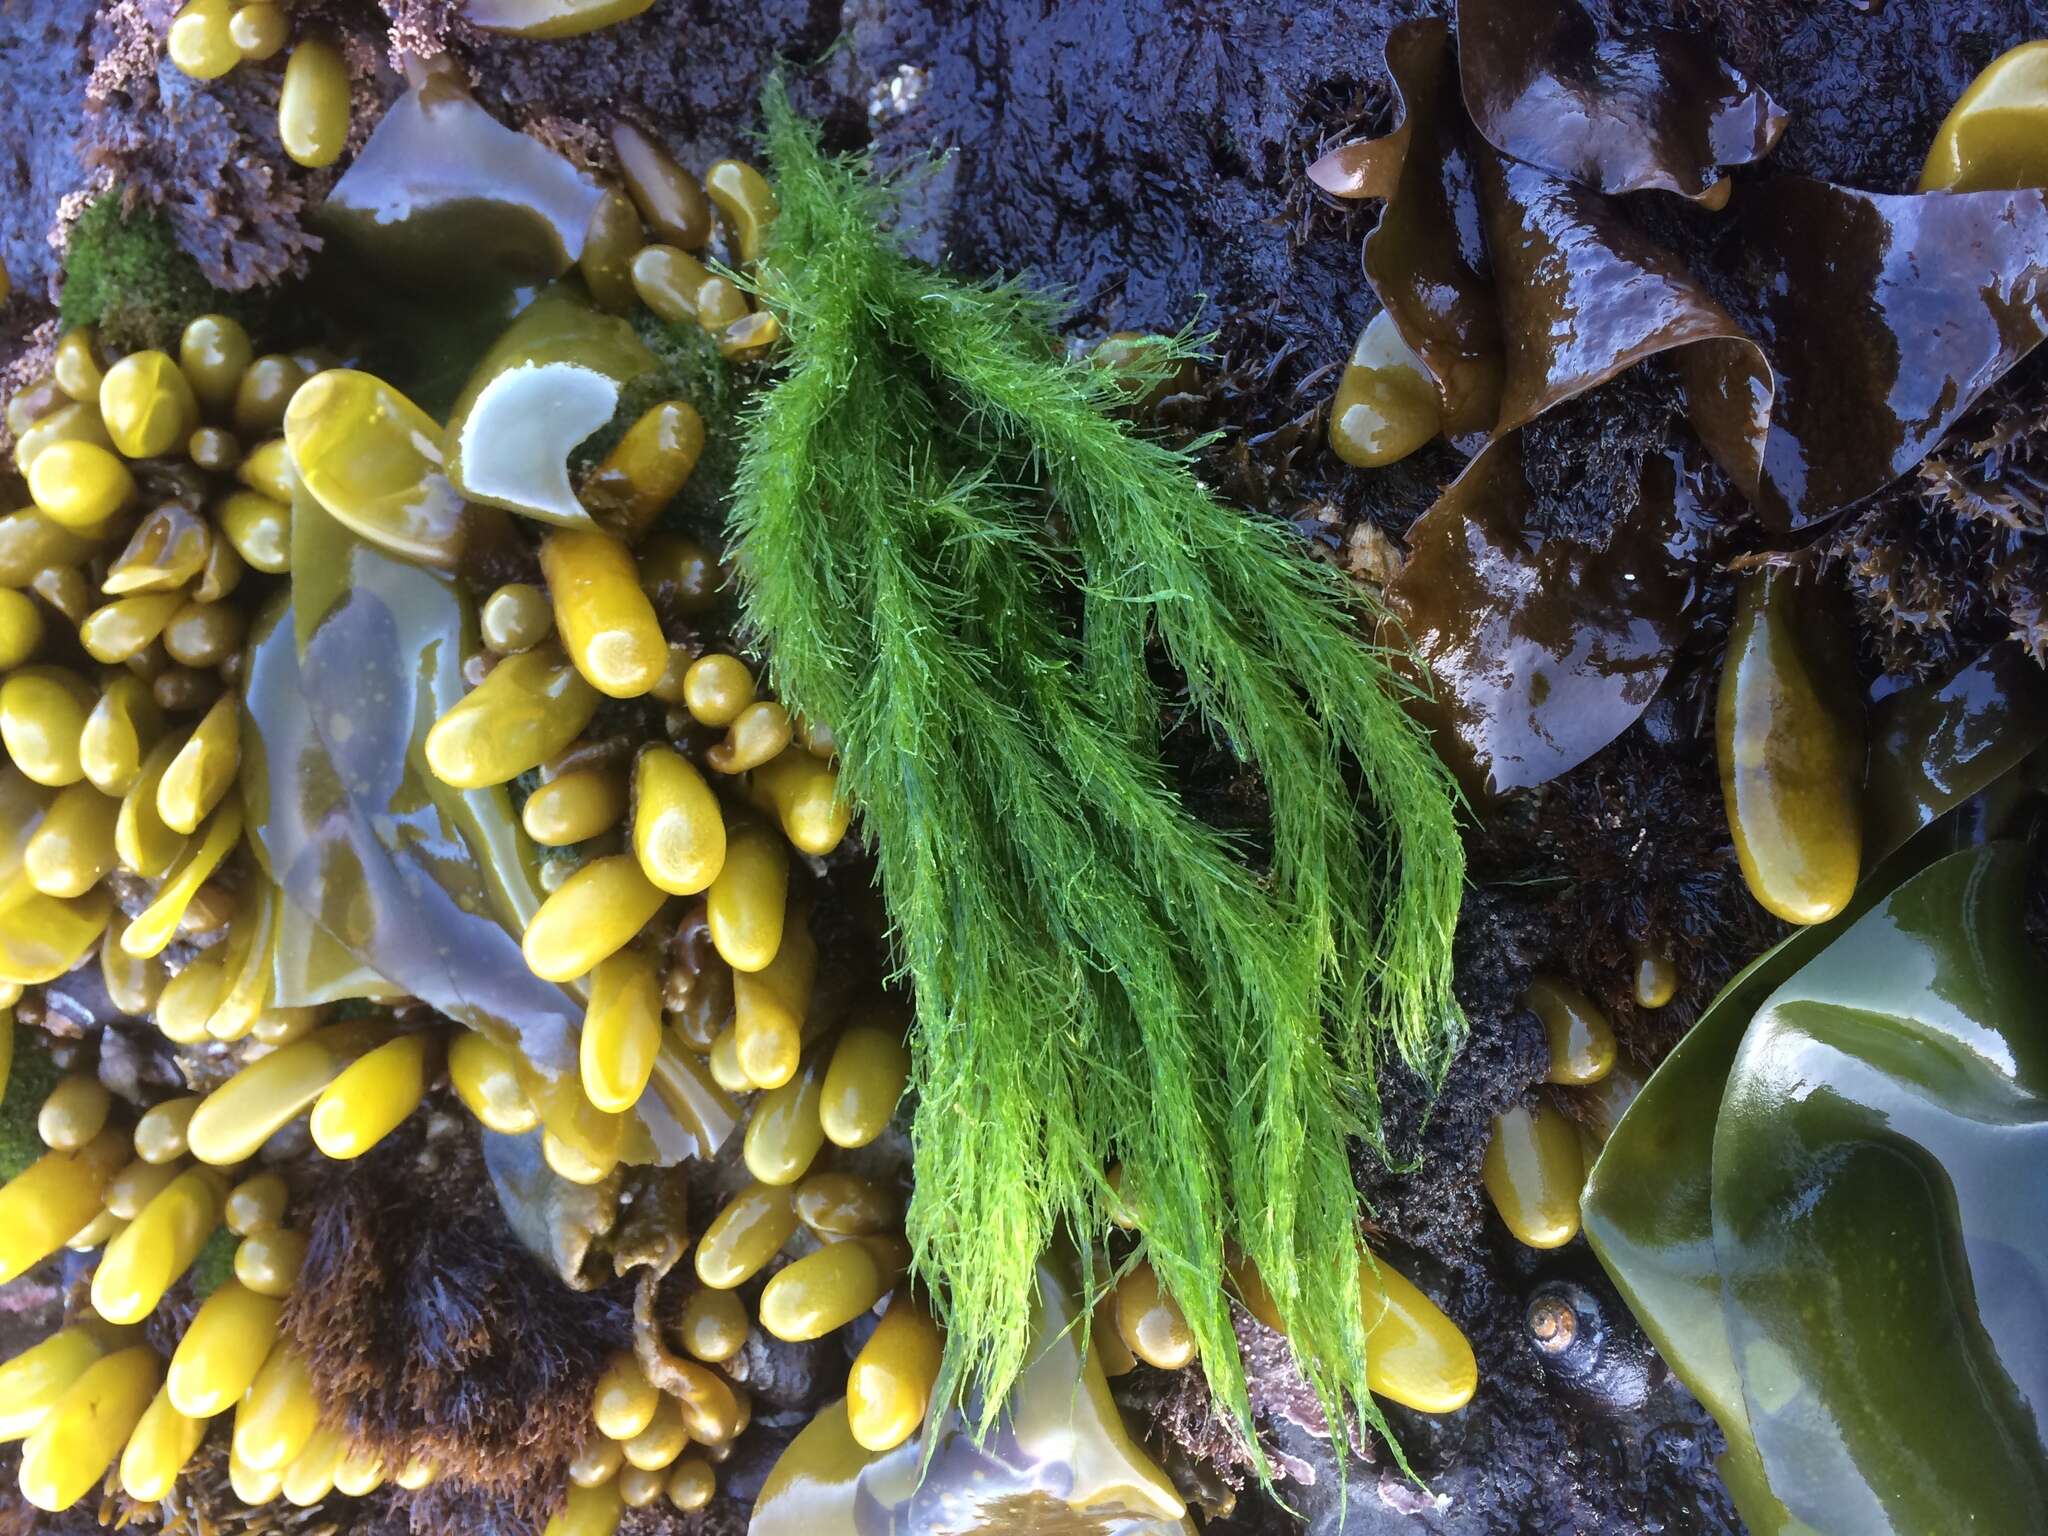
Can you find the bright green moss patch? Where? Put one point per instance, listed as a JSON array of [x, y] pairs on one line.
[[28, 1084], [215, 1265], [691, 367], [125, 273]]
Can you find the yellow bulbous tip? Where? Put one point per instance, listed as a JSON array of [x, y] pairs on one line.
[[1150, 1322], [32, 1382], [592, 915], [889, 1387], [691, 1483], [661, 1442], [588, 1512], [1534, 1169], [770, 1008], [826, 1290], [147, 405], [157, 924], [1993, 136], [163, 1441], [1581, 1039], [748, 902], [870, 1068], [241, 1114], [222, 1350], [79, 485], [361, 1472], [70, 1451], [203, 771], [313, 104], [624, 1401], [1415, 1355], [371, 1098], [621, 1030], [744, 1235], [159, 1245], [678, 828], [309, 1477], [268, 1262], [254, 1486], [803, 791], [255, 1204], [485, 1076], [527, 709], [74, 1113], [607, 625], [199, 42], [278, 1415]]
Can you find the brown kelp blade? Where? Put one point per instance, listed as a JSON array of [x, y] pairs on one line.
[[1651, 109]]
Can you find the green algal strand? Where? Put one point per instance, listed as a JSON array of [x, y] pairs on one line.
[[956, 551]]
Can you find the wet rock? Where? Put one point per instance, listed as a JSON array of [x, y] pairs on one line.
[[208, 155], [1132, 152], [77, 1002], [135, 1065], [740, 1479], [45, 52], [788, 1376]]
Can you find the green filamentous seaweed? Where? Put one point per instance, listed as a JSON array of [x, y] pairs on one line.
[[958, 553], [125, 273]]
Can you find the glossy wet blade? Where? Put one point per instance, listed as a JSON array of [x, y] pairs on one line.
[[428, 886], [1426, 258], [1886, 317], [1542, 649], [1650, 109], [1647, 1210], [445, 196], [1649, 1203], [1059, 1459], [1881, 1232], [1585, 295], [1876, 322], [1935, 745], [551, 380], [557, 1221]]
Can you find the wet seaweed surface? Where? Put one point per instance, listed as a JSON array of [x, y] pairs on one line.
[[1146, 157]]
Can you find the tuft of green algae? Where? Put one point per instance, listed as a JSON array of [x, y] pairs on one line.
[[215, 1265], [29, 1082], [125, 273], [957, 550]]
